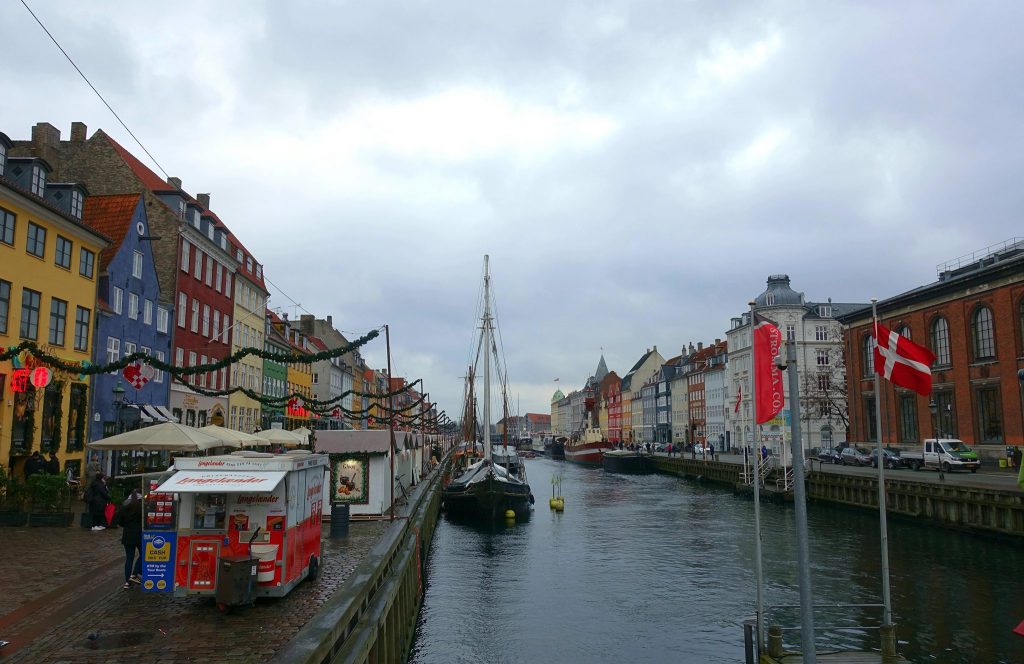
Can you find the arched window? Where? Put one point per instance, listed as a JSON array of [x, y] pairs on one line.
[[904, 331], [940, 341], [981, 334], [867, 348], [826, 436]]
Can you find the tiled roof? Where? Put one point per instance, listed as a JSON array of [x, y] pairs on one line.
[[317, 343], [111, 216], [151, 180]]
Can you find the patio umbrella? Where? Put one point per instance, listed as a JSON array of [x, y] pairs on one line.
[[230, 434], [304, 432], [164, 437], [282, 437]]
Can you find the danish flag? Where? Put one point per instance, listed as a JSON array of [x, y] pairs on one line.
[[902, 362]]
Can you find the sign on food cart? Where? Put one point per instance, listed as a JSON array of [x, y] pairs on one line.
[[158, 549]]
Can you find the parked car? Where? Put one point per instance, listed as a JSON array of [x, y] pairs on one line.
[[698, 448], [855, 456], [944, 454], [892, 458], [829, 454]]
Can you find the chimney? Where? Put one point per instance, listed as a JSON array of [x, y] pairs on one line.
[[204, 200], [78, 131], [700, 346], [174, 182], [330, 323], [306, 322], [655, 348], [718, 342], [692, 350], [46, 142]]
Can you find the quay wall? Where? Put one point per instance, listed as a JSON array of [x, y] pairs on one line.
[[372, 617], [982, 510]]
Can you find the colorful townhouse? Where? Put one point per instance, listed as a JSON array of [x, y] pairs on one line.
[[328, 378], [247, 331], [48, 286], [611, 389], [632, 382], [300, 377], [275, 374], [130, 319]]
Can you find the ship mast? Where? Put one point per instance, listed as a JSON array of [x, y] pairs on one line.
[[487, 360]]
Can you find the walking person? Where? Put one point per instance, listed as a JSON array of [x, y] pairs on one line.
[[96, 497], [129, 517]]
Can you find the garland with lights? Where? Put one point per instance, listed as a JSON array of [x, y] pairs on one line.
[[311, 403]]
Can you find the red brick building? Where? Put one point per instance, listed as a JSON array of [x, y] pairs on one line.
[[972, 318]]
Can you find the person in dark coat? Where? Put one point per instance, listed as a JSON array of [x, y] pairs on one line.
[[96, 497], [35, 464], [53, 464], [129, 517]]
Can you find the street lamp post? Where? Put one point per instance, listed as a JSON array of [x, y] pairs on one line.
[[934, 407], [118, 404]]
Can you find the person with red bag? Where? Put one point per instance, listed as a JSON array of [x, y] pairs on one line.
[[97, 497]]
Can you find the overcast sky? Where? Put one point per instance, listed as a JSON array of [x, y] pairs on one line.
[[635, 170]]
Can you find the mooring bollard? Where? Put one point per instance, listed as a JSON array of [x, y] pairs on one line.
[[339, 520], [888, 636], [749, 627], [775, 641]]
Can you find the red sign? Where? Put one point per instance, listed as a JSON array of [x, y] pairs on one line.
[[40, 377], [19, 380]]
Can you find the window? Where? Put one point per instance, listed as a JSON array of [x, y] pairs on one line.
[[940, 341], [7, 220], [184, 254], [217, 280], [82, 316], [133, 306], [824, 382], [147, 312], [137, 264], [769, 299], [238, 255], [29, 313], [209, 270], [3, 157], [198, 272], [210, 230], [117, 295], [206, 320], [38, 180], [1020, 322], [248, 263], [790, 332], [981, 334], [179, 357], [869, 413], [113, 349], [195, 315], [76, 204], [316, 378], [908, 418], [227, 326], [192, 363], [161, 319], [86, 263], [62, 255], [158, 377], [182, 309], [944, 421], [5, 305], [867, 348], [904, 332], [820, 333], [216, 324], [36, 244], [58, 321], [227, 283], [129, 348], [202, 376], [990, 416]]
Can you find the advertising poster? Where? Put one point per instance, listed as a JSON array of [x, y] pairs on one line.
[[350, 478], [158, 549]]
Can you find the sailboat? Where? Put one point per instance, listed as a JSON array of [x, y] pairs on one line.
[[486, 489]]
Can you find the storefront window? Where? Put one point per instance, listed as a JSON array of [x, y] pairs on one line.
[[210, 509], [190, 417], [202, 418], [50, 427]]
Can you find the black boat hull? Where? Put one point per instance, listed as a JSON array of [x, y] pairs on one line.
[[629, 464], [555, 450], [488, 499]]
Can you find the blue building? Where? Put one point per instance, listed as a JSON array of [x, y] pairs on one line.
[[130, 318]]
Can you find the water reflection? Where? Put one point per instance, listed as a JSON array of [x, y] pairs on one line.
[[658, 569]]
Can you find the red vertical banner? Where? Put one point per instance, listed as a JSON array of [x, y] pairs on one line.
[[767, 343]]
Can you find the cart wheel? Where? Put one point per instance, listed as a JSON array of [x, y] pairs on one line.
[[314, 568], [223, 608]]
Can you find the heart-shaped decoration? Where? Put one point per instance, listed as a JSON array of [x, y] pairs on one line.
[[133, 374], [147, 372]]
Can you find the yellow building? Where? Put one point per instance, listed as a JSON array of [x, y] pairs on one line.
[[48, 286], [250, 301], [300, 380]]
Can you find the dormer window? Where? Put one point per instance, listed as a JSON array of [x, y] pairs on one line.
[[195, 219], [769, 299], [76, 204], [248, 263], [38, 185], [825, 310], [3, 158], [238, 255], [224, 241], [182, 210], [209, 230], [259, 271]]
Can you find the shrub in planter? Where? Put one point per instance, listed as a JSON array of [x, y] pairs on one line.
[[50, 500], [12, 501]]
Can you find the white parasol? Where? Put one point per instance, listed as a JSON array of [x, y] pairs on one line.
[[282, 437], [240, 437], [164, 437]]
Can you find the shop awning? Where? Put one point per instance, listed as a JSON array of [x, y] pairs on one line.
[[153, 413], [143, 415], [212, 481], [168, 415]]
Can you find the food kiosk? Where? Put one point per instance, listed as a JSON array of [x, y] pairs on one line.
[[219, 509]]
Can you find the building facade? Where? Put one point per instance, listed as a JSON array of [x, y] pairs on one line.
[[247, 331]]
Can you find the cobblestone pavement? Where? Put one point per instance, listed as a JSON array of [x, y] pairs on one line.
[[93, 620]]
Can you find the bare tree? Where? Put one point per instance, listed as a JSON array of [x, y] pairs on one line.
[[823, 391]]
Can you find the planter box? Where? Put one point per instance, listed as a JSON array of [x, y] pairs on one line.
[[61, 519], [13, 518]]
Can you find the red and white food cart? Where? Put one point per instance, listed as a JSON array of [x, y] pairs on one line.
[[217, 504]]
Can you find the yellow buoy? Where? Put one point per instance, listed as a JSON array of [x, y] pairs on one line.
[[551, 503], [559, 505], [510, 514]]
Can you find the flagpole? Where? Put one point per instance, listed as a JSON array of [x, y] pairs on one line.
[[886, 598], [758, 570]]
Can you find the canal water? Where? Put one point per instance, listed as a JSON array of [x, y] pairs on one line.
[[659, 569]]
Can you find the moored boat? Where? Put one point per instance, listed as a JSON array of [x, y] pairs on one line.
[[588, 449], [555, 447], [627, 462]]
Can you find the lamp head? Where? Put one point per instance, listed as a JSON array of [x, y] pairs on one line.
[[118, 393], [932, 406]]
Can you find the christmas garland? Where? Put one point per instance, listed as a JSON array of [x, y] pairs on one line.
[[311, 403], [88, 369]]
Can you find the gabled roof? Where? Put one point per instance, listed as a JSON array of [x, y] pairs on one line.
[[148, 178], [111, 216], [317, 343]]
